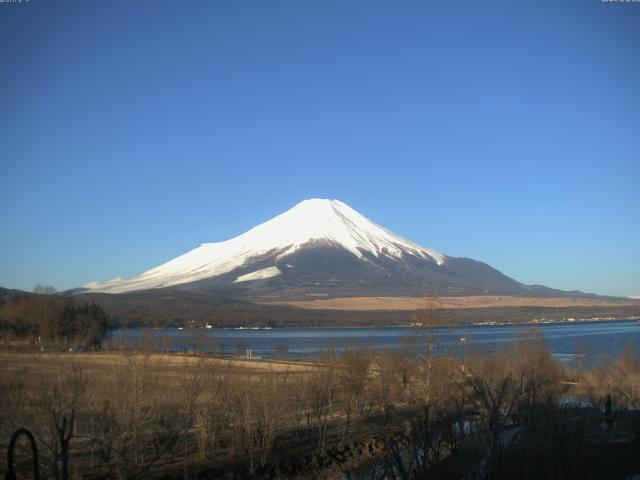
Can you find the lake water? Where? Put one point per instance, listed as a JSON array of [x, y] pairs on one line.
[[568, 341]]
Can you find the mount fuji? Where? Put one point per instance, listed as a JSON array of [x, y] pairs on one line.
[[321, 249]]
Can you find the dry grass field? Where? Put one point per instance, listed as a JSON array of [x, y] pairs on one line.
[[478, 301], [168, 364], [358, 415]]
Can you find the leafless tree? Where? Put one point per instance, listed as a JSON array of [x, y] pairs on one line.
[[281, 350], [258, 417], [351, 382], [41, 289], [322, 386], [618, 377]]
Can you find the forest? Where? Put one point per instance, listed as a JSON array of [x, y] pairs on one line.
[[44, 320]]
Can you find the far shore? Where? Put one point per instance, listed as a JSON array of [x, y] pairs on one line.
[[411, 325]]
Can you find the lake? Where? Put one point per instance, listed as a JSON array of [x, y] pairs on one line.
[[568, 341]]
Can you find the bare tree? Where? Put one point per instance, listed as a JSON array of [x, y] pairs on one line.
[[66, 387], [618, 377], [259, 416], [44, 289], [351, 382], [135, 425], [322, 388], [281, 350]]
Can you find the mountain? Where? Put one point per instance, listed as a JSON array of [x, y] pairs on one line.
[[322, 249]]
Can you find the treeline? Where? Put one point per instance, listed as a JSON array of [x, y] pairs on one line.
[[172, 307], [396, 414], [47, 320]]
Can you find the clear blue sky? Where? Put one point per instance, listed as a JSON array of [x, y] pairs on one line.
[[504, 131]]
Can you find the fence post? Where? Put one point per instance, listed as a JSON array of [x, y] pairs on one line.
[[64, 429], [11, 474]]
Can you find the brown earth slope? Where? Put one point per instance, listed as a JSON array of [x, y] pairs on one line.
[[475, 301]]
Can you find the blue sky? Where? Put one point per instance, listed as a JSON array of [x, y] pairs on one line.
[[508, 132]]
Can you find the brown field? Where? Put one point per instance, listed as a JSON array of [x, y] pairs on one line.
[[478, 301], [167, 363], [125, 414]]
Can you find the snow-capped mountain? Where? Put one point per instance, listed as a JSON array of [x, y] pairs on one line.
[[319, 247]]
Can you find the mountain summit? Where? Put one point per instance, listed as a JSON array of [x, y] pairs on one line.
[[319, 248]]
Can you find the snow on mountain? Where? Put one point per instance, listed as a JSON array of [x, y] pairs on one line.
[[309, 221], [262, 274]]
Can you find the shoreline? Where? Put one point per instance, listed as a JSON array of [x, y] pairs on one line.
[[363, 327]]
